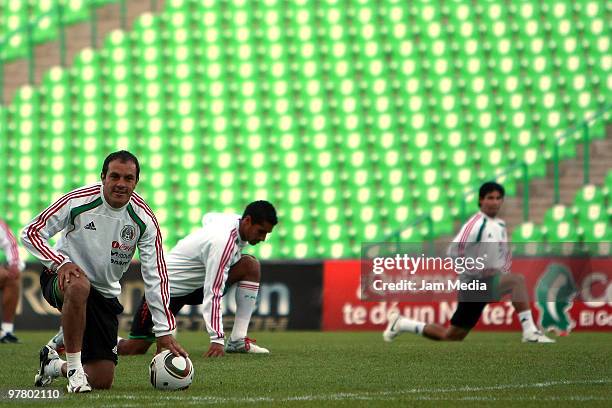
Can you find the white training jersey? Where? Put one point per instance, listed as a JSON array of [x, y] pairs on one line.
[[203, 258], [485, 237], [8, 244], [102, 240]]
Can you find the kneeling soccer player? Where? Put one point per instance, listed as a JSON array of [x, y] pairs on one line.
[[200, 266], [484, 227], [82, 273]]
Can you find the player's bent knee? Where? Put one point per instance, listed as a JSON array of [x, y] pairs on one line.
[[100, 374], [455, 334], [101, 384], [77, 287], [247, 268]]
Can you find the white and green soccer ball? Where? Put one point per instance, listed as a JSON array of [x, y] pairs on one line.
[[169, 372]]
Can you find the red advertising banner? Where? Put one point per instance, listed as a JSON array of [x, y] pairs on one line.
[[550, 281]]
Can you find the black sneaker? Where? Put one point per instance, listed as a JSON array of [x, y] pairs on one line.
[[9, 338]]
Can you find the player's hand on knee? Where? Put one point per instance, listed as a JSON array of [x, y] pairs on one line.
[[169, 342], [215, 350], [67, 272]]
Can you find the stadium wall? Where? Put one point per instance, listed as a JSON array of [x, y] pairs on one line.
[[325, 295]]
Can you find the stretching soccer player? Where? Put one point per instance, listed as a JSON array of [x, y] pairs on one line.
[[200, 266], [487, 230], [10, 283], [101, 226]]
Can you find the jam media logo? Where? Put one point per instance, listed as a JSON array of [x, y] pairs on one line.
[[128, 233], [555, 291]]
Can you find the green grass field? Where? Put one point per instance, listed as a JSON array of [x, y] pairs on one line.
[[348, 369]]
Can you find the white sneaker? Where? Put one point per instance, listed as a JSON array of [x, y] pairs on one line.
[[392, 331], [77, 381], [47, 354], [536, 337], [245, 345]]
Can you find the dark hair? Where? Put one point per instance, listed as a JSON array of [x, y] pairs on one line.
[[123, 156], [489, 187], [260, 212]]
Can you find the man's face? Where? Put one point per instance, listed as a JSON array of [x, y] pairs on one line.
[[119, 182], [491, 203], [255, 233]]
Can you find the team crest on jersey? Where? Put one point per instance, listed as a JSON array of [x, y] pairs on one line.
[[128, 233]]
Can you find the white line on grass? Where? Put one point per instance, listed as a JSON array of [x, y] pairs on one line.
[[160, 398]]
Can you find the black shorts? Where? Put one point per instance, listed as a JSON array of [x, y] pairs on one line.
[[142, 324], [101, 323], [467, 314], [472, 303]]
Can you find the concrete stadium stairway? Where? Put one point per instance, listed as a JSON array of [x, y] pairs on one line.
[[541, 191]]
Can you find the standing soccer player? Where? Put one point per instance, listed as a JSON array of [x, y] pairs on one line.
[[486, 230], [101, 226], [10, 283], [200, 266]]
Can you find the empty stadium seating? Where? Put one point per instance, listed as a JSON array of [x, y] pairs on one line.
[[354, 118]]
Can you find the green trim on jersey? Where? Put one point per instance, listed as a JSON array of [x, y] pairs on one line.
[[479, 237], [82, 208], [150, 338], [141, 225], [57, 293]]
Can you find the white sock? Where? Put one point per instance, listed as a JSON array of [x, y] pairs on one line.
[[527, 321], [74, 361], [246, 299], [54, 368], [408, 325], [7, 328]]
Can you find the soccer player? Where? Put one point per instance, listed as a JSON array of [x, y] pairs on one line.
[[101, 225], [200, 266], [486, 230], [10, 283]]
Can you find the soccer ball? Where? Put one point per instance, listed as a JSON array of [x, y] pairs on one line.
[[169, 372]]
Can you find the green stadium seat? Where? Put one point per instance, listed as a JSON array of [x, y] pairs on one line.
[[15, 16], [587, 195], [563, 238], [45, 20], [608, 186], [591, 213], [527, 239], [598, 238], [556, 214]]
